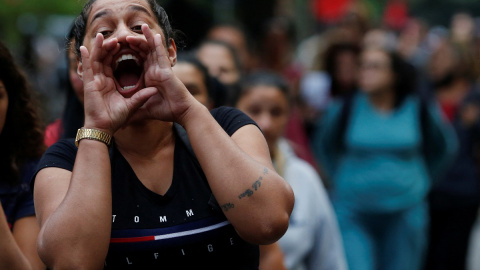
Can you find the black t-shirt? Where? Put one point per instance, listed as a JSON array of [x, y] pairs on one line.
[[183, 229], [17, 200]]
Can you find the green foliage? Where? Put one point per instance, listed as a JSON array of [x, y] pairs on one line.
[[12, 8]]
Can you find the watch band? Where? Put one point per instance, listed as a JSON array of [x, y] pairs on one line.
[[93, 134]]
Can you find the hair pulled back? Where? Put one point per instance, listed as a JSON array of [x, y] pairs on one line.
[[80, 25]]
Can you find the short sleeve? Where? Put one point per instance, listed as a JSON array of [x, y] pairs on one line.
[[231, 119], [60, 155], [17, 200], [25, 207]]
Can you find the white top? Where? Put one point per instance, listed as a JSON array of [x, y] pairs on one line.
[[313, 240]]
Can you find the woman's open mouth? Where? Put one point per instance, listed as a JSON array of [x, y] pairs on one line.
[[128, 73]]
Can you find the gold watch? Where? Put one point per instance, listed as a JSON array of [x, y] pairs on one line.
[[93, 134]]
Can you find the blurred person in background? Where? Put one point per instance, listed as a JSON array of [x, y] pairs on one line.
[[312, 240], [336, 79], [21, 145], [350, 29], [380, 38], [275, 53], [341, 64], [222, 62], [276, 50], [338, 74], [454, 201], [463, 34], [412, 45], [462, 28], [382, 148], [236, 36], [73, 113], [194, 75]]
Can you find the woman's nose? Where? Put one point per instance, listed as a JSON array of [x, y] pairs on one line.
[[122, 33]]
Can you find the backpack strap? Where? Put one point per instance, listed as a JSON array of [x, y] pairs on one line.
[[344, 121]]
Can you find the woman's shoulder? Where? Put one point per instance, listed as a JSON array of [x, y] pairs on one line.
[[231, 119], [225, 112], [60, 154], [63, 145]]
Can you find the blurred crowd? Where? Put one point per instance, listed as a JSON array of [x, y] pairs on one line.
[[375, 127]]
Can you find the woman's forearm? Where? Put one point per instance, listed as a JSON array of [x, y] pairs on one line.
[[255, 199], [77, 232]]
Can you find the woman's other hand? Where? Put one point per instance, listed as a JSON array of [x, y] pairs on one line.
[[172, 100]]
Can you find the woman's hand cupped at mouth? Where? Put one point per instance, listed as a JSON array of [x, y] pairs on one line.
[[106, 108], [172, 100]]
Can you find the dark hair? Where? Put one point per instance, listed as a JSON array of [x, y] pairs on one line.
[[80, 24], [262, 78], [73, 114], [330, 64], [405, 77], [404, 74], [21, 139]]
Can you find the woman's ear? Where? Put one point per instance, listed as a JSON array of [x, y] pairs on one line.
[[80, 68], [172, 52]]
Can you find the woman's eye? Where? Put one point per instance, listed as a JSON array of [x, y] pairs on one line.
[[138, 29], [105, 33]]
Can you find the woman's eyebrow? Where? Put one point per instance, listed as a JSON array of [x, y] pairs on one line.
[[141, 9], [100, 14], [108, 11]]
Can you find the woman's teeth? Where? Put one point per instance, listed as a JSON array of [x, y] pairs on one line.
[[126, 57], [125, 88]]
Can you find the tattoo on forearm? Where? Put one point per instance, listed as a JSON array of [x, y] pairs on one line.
[[247, 193], [256, 185], [228, 206]]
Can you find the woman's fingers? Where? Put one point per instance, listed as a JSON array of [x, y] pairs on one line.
[[85, 56], [96, 54], [156, 47], [138, 43], [111, 48], [139, 98], [101, 54], [147, 32], [160, 49]]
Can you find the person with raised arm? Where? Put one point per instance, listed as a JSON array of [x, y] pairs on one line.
[[128, 192]]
